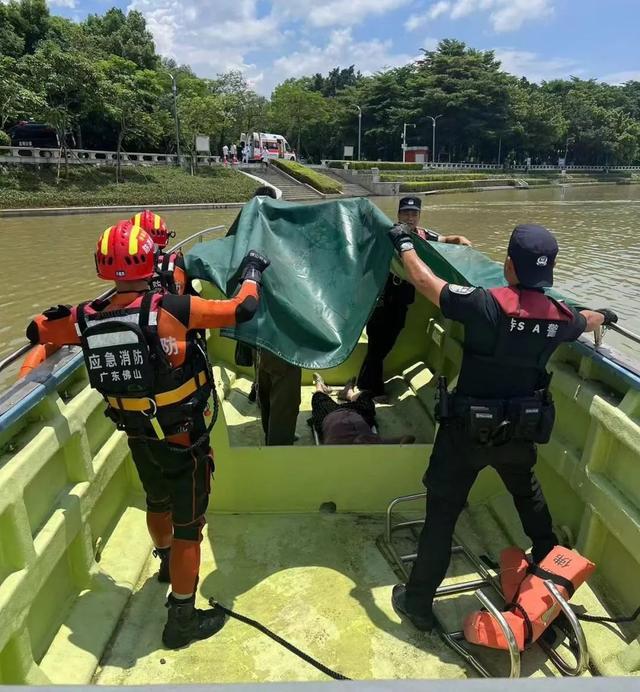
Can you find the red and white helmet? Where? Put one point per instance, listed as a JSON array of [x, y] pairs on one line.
[[155, 226], [125, 252]]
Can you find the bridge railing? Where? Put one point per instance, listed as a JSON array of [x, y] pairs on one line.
[[495, 167], [39, 155]]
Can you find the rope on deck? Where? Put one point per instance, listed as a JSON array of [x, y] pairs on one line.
[[279, 640]]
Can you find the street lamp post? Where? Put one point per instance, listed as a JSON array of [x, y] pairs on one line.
[[433, 140], [174, 89], [404, 141], [359, 130]]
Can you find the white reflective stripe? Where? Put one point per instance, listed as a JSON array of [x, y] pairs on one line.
[[78, 330], [134, 317], [112, 339], [172, 264]]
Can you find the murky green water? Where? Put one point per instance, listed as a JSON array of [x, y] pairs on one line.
[[48, 260]]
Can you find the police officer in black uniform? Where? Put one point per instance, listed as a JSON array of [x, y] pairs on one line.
[[501, 407], [388, 319]]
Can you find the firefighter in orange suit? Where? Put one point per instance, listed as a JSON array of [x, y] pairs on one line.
[[144, 353]]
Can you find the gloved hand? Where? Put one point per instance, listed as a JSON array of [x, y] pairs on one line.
[[610, 316], [252, 266], [400, 236]]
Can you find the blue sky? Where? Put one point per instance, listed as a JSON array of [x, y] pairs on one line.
[[270, 40]]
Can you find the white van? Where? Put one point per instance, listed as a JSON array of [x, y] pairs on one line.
[[275, 146]]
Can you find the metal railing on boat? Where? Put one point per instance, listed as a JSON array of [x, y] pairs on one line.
[[454, 639], [198, 236]]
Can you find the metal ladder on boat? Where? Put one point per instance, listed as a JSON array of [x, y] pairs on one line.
[[485, 580]]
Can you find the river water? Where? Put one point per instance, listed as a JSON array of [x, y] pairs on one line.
[[48, 260]]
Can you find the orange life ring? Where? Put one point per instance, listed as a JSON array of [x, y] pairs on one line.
[[36, 357]]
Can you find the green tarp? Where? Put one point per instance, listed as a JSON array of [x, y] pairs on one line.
[[329, 264]]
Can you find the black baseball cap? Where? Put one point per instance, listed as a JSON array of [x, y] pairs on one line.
[[414, 203], [533, 250]]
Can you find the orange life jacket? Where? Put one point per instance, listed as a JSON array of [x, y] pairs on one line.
[[531, 608]]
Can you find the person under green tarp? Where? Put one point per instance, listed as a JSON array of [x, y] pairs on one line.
[[388, 319], [279, 395]]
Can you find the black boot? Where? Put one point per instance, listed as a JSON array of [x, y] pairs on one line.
[[186, 623], [423, 621], [164, 554]]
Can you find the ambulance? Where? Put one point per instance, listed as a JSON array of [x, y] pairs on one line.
[[264, 144]]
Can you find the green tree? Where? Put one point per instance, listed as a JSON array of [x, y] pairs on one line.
[[129, 97], [23, 25], [200, 115], [536, 125], [297, 111], [11, 40], [66, 83], [385, 101], [123, 35], [466, 87], [336, 80], [16, 100]]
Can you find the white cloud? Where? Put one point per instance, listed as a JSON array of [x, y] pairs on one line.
[[535, 68], [327, 13], [62, 3], [416, 21], [511, 15], [504, 15], [211, 40], [341, 49], [216, 37], [621, 77]]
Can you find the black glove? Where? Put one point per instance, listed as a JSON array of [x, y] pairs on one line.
[[252, 266], [400, 236], [610, 316], [32, 332]]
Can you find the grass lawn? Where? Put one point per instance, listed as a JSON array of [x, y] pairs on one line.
[[25, 186]]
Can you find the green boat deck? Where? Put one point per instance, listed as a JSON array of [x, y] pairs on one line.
[[78, 597], [319, 581]]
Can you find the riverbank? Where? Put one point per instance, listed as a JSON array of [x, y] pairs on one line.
[[24, 187]]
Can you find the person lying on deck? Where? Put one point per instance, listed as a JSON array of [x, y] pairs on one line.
[[351, 423]]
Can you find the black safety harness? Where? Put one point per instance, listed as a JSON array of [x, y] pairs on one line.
[[146, 397]]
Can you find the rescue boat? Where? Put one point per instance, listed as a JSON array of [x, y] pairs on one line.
[[308, 540]]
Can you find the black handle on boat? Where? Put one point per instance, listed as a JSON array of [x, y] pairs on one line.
[[23, 350]]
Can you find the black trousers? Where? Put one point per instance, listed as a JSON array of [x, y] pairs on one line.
[[383, 329], [179, 482], [279, 393], [322, 405], [453, 468]]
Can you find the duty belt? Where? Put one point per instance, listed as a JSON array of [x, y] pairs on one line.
[[160, 400]]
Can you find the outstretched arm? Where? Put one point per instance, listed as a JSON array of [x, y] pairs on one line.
[[455, 240], [598, 318], [208, 314], [425, 281]]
